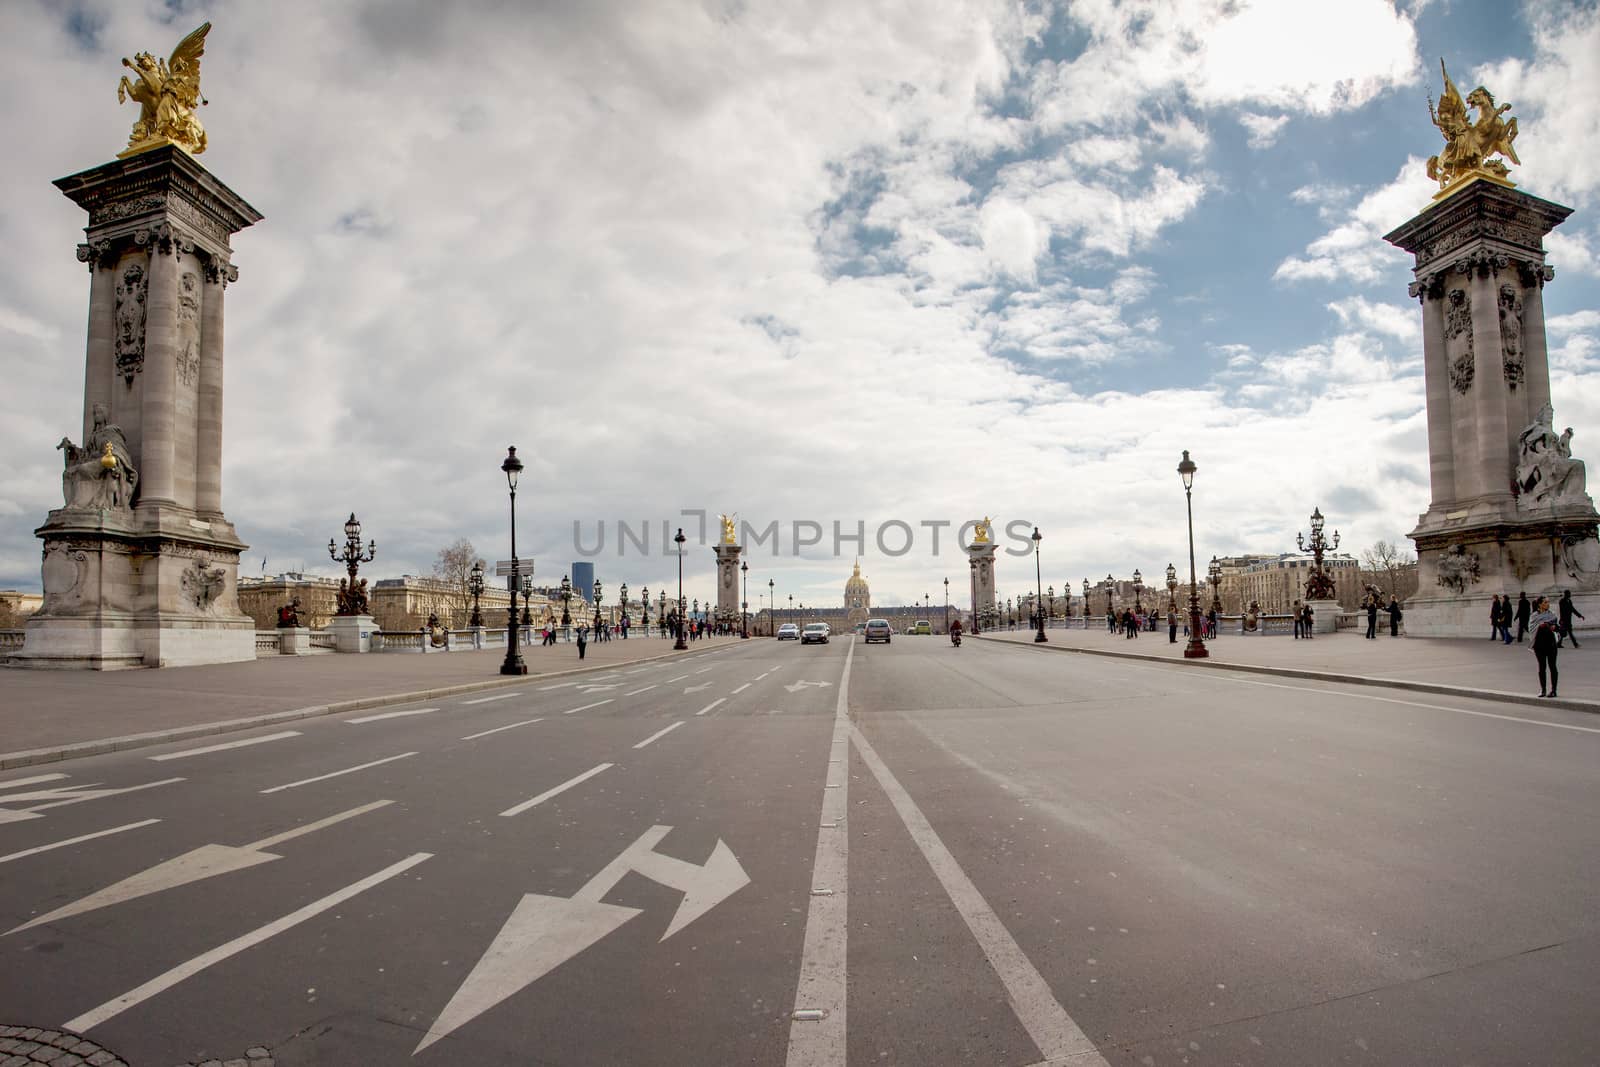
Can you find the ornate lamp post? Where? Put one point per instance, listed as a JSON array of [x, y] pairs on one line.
[[680, 644], [1138, 587], [527, 600], [623, 593], [475, 588], [597, 594], [566, 601], [1050, 604], [513, 663], [352, 601], [1111, 586], [1086, 609], [1320, 587], [1038, 581], [772, 609], [644, 610], [744, 604], [947, 605], [1215, 574], [1172, 588], [791, 607], [1196, 648]]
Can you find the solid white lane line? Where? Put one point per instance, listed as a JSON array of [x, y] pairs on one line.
[[335, 774], [563, 685], [226, 745], [313, 827], [391, 715], [116, 1006], [659, 734], [817, 1027], [485, 700], [741, 689], [1034, 1005], [586, 707], [518, 809], [636, 692], [711, 705], [74, 840], [497, 729], [1419, 704], [679, 678], [31, 781]]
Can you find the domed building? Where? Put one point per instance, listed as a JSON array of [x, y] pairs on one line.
[[857, 598]]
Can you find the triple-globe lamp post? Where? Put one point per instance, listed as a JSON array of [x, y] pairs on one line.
[[513, 662], [680, 644], [1196, 648]]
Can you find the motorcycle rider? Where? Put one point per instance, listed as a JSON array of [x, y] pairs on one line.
[[955, 633]]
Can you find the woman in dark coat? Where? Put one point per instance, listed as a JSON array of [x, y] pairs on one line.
[[1546, 633]]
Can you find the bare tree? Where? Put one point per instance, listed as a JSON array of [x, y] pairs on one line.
[[452, 565], [1387, 566]]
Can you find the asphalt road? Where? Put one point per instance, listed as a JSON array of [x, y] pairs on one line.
[[770, 854]]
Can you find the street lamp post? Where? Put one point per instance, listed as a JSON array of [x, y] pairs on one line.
[[1321, 586], [772, 609], [1215, 573], [1086, 610], [1196, 648], [661, 611], [1111, 586], [527, 601], [1038, 581], [623, 621], [475, 587], [1051, 604], [644, 610], [597, 594], [680, 644], [352, 600], [513, 663], [947, 605], [744, 604], [1138, 588], [1172, 588], [566, 605]]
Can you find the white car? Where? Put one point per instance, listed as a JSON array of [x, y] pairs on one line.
[[788, 632], [815, 633]]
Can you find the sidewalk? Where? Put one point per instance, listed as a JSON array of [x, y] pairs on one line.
[[52, 715], [1457, 666]]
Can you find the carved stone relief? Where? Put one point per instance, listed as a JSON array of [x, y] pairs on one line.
[[121, 209], [1458, 324], [1457, 568], [1511, 335], [202, 584], [1580, 555], [130, 321], [189, 328]]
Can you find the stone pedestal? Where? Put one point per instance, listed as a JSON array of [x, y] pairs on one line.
[[294, 640], [140, 565], [1509, 510], [353, 633], [1324, 616], [728, 581], [980, 561]]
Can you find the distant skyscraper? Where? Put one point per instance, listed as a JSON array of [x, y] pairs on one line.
[[583, 581]]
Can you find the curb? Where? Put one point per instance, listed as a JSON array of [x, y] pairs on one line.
[[79, 749], [1589, 706]]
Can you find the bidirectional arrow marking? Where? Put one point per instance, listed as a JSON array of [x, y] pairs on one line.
[[55, 798], [544, 932], [207, 861], [795, 687], [696, 688]]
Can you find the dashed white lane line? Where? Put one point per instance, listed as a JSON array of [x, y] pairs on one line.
[[391, 715], [741, 689], [563, 685], [485, 700], [1035, 1006], [659, 734], [497, 729], [586, 707], [703, 670], [1419, 704], [817, 1027], [762, 675], [226, 745], [117, 1005], [711, 705], [335, 774], [679, 678], [74, 840], [636, 692], [35, 780], [518, 809]]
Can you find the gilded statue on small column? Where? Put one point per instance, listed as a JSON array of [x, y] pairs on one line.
[[1468, 144], [167, 91]]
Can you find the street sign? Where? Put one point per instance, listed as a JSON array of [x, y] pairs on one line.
[[510, 566]]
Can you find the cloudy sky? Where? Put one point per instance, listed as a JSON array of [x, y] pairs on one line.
[[824, 262]]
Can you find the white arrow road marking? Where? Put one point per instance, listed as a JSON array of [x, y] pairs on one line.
[[586, 707], [518, 809], [391, 715], [544, 932], [62, 795], [15, 783], [497, 729], [116, 1006], [207, 861], [795, 687], [335, 774], [224, 746], [485, 700], [702, 687], [74, 840], [659, 734]]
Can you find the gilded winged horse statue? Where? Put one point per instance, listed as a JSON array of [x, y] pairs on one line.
[[1469, 144], [167, 91]]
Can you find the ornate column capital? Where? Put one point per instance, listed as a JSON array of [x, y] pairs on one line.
[[98, 254]]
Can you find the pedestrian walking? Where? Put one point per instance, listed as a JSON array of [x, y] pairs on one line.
[[1372, 618], [1297, 617], [1494, 619], [1546, 640], [1506, 615], [1172, 627], [1394, 617], [583, 642], [1524, 613], [1568, 610]]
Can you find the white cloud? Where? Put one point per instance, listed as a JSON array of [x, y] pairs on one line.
[[1568, 250], [1263, 129], [1354, 248], [1401, 323]]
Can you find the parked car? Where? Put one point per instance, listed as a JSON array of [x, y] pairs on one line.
[[815, 633], [788, 632], [878, 630]]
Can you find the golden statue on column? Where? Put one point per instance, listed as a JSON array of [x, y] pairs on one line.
[[1468, 144], [167, 91]]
